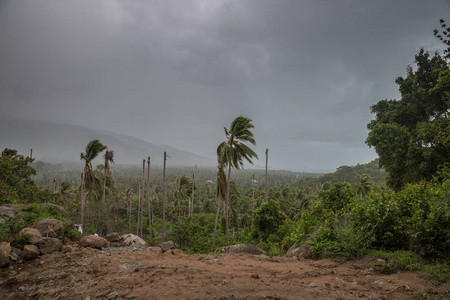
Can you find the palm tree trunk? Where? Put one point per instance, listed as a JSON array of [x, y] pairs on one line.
[[267, 159], [104, 185], [138, 212], [143, 195], [227, 197], [253, 195], [215, 224], [82, 200], [148, 200], [193, 190], [164, 201]]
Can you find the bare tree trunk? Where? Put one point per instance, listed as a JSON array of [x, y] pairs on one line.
[[148, 200], [31, 157], [164, 200], [267, 160], [218, 211], [138, 212], [128, 200], [193, 190], [104, 184], [227, 197], [143, 195], [253, 195], [83, 200]]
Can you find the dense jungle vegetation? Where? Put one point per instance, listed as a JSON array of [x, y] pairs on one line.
[[345, 214]]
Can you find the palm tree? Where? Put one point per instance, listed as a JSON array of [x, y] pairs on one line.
[[183, 192], [234, 151], [93, 149], [364, 185], [109, 158]]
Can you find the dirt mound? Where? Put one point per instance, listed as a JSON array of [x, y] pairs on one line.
[[143, 273]]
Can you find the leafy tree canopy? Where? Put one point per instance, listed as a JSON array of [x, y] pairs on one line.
[[411, 135]]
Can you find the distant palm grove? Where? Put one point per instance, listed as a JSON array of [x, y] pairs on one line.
[[397, 203]]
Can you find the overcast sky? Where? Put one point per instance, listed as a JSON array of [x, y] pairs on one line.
[[176, 72]]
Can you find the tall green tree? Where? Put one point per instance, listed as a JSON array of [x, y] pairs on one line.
[[182, 192], [406, 132], [234, 152]]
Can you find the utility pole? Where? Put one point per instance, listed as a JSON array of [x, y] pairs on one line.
[[253, 195], [148, 200], [193, 188], [267, 160], [164, 200]]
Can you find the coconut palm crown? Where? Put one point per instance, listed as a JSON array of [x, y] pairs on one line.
[[93, 149]]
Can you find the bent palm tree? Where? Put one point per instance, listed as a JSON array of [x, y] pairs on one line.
[[220, 188], [93, 149], [234, 151], [109, 157]]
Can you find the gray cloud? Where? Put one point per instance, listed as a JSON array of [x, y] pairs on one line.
[[177, 72]]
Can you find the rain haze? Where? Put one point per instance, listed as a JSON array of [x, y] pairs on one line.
[[178, 72]]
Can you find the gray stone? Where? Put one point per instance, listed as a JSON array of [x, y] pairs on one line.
[[30, 252], [50, 228], [301, 252], [113, 237], [49, 245], [243, 248], [5, 252], [93, 241], [166, 246], [131, 239], [112, 295], [30, 235]]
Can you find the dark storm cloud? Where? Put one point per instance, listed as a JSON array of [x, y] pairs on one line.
[[177, 72]]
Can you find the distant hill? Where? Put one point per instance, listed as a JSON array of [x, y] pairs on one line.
[[55, 142]]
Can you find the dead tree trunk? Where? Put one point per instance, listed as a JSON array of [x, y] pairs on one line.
[[164, 200], [148, 200], [267, 160]]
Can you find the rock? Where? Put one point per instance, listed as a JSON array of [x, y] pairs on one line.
[[49, 245], [112, 295], [7, 213], [301, 252], [93, 241], [5, 252], [166, 246], [113, 237], [243, 248], [30, 235], [131, 239], [154, 249], [50, 228], [30, 252]]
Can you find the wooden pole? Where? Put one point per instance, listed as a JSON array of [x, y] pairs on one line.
[[164, 200], [253, 196], [143, 195], [82, 195], [267, 159], [193, 190], [148, 200], [139, 211]]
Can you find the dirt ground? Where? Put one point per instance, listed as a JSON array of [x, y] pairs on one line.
[[142, 273]]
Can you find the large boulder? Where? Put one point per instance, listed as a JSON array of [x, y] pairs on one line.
[[300, 252], [93, 241], [113, 237], [49, 245], [5, 252], [50, 228], [7, 213], [166, 246], [131, 239], [30, 235], [30, 252], [243, 248]]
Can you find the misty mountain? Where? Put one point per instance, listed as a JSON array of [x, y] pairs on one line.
[[55, 142]]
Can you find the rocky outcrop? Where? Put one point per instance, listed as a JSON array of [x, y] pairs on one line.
[[243, 248], [93, 241], [166, 246], [50, 228], [113, 237], [30, 252], [49, 245], [30, 236], [5, 252]]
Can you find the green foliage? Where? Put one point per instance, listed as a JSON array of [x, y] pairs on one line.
[[16, 185], [268, 219], [337, 196], [409, 134], [439, 272], [398, 261]]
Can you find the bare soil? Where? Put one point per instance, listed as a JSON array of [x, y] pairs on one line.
[[142, 273]]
